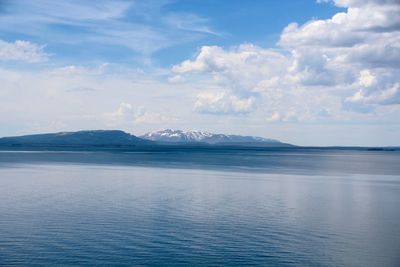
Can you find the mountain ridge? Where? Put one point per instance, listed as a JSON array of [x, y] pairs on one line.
[[121, 138], [179, 136], [85, 137]]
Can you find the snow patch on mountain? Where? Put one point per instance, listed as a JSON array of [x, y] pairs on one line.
[[179, 136]]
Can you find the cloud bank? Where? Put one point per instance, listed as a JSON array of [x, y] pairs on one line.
[[350, 62]]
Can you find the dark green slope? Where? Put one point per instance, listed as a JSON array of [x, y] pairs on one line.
[[80, 138]]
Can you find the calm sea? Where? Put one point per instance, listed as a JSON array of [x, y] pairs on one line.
[[218, 207]]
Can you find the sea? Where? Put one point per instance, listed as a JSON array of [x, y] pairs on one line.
[[200, 207]]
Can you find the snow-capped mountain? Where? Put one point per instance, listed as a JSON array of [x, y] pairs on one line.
[[178, 136], [119, 138]]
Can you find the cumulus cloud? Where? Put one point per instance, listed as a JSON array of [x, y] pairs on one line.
[[240, 68], [22, 51], [375, 88], [352, 59], [223, 103], [386, 96]]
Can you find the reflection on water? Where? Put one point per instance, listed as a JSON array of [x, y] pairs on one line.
[[59, 214], [325, 161]]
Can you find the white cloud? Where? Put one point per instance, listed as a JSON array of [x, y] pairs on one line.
[[374, 88], [343, 69], [358, 3], [276, 79], [223, 103], [22, 51], [126, 113], [189, 22], [367, 35], [288, 116], [344, 29], [147, 117], [366, 78], [120, 23], [385, 96], [84, 97], [390, 95], [240, 69], [351, 59]]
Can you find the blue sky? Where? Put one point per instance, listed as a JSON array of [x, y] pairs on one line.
[[181, 27], [307, 72]]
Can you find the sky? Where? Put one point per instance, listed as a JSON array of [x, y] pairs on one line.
[[307, 72]]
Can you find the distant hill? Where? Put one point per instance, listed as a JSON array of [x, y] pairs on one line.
[[96, 137], [120, 138], [169, 136]]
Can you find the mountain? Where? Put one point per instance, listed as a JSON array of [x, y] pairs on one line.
[[80, 138], [169, 136], [120, 138]]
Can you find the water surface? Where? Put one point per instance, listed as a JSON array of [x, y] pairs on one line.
[[283, 209]]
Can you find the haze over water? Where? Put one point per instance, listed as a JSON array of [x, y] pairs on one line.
[[288, 208]]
